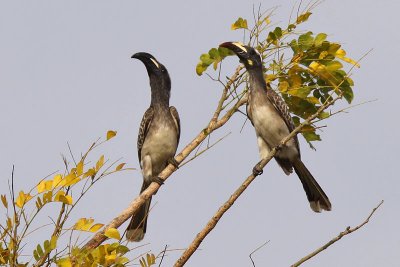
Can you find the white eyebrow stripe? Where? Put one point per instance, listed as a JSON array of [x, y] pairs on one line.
[[155, 62], [240, 46]]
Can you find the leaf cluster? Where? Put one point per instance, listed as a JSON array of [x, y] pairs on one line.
[[306, 69]]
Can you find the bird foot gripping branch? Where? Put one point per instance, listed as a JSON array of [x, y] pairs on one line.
[[257, 170], [173, 162]]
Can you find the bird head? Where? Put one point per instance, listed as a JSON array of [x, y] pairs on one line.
[[151, 63], [249, 56], [158, 74]]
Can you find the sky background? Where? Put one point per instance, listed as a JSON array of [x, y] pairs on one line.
[[66, 76]]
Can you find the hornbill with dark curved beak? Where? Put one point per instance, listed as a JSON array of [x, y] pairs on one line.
[[271, 119], [158, 138]]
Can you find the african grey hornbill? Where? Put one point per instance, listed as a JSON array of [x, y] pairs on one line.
[[158, 138], [271, 119]]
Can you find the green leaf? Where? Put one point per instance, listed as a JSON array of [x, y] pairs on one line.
[[334, 65], [240, 23], [324, 115], [271, 37], [295, 47], [311, 136], [46, 246], [348, 93], [39, 250], [206, 59], [319, 39], [301, 92], [278, 32], [291, 27], [122, 250], [53, 242], [306, 41], [333, 47]]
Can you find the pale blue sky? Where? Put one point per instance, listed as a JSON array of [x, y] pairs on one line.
[[66, 75]]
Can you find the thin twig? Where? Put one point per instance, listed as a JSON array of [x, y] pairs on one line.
[[204, 150], [162, 257], [337, 238], [254, 251]]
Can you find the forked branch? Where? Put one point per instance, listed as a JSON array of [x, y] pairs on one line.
[[337, 238]]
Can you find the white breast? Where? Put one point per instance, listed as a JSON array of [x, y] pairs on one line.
[[270, 126]]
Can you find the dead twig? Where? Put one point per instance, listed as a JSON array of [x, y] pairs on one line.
[[337, 238]]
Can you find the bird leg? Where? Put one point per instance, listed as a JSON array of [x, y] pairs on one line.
[[173, 162], [257, 170]]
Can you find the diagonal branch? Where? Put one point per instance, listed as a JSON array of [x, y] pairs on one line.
[[213, 125], [337, 238], [228, 204]]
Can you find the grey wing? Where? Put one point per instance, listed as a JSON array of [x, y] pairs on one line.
[[144, 129], [175, 116], [283, 110]]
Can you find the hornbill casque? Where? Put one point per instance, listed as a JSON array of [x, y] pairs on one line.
[[271, 119], [158, 138]]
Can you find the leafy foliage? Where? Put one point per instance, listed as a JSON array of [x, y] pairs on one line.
[[78, 178], [307, 70]]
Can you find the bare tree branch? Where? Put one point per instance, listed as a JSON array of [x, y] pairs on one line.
[[213, 125], [228, 204], [337, 238]]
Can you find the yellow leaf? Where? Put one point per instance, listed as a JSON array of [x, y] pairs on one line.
[[44, 186], [111, 134], [22, 199], [47, 197], [41, 187], [79, 168], [96, 227], [342, 55], [62, 197], [57, 180], [84, 224], [110, 258], [313, 100], [112, 233], [91, 172], [65, 262], [267, 20], [70, 179], [120, 166], [67, 199], [323, 55], [100, 163], [283, 86], [240, 23], [4, 200], [9, 223], [270, 77]]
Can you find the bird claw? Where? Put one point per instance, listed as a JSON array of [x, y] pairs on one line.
[[173, 162], [159, 181], [257, 170]]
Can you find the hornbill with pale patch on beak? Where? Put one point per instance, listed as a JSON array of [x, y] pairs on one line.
[[158, 138], [271, 119]]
